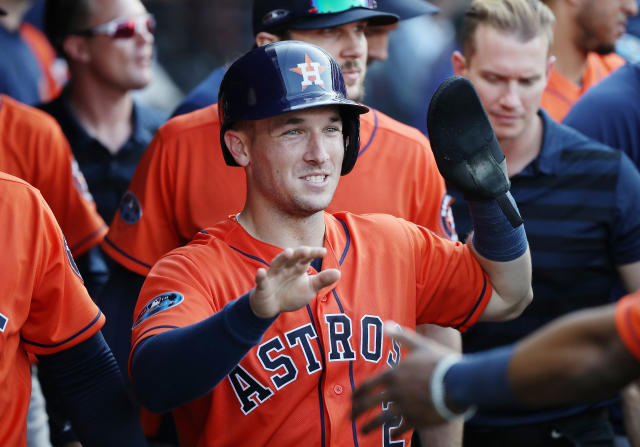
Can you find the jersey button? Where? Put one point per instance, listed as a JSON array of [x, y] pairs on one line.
[[338, 389], [324, 299]]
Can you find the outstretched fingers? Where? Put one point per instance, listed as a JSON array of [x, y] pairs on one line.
[[286, 285], [323, 279]]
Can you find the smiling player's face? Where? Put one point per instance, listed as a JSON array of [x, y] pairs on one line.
[[295, 160]]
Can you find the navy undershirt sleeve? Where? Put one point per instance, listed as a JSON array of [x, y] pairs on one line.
[[86, 382], [177, 366]]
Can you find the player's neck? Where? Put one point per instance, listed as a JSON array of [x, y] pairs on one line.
[[570, 60], [105, 114], [283, 230], [525, 148]]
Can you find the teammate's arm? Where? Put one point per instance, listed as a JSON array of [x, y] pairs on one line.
[[503, 253], [568, 361], [86, 382], [177, 366], [511, 282]]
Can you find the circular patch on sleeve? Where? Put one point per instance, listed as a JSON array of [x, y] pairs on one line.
[[157, 305], [130, 208]]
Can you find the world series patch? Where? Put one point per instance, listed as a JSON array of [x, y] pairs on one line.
[[157, 305], [130, 208], [3, 322]]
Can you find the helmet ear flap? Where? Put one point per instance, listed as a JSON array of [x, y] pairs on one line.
[[351, 133]]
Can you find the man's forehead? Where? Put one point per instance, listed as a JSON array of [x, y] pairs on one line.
[[311, 112], [329, 113]]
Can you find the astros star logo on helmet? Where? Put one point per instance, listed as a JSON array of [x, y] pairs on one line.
[[310, 72]]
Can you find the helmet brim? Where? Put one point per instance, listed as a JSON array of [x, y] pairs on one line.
[[373, 17], [407, 9]]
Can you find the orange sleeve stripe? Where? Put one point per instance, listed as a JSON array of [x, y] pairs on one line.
[[88, 242], [142, 268]]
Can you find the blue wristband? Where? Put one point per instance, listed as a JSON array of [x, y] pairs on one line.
[[493, 236], [481, 379]]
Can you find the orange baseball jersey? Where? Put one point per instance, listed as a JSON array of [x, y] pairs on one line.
[[183, 185], [33, 148], [628, 322], [44, 307], [561, 93], [296, 385]]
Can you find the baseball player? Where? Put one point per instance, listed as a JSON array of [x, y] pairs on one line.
[[297, 341], [176, 189], [584, 45], [206, 93], [181, 185], [46, 311], [35, 150], [580, 358]]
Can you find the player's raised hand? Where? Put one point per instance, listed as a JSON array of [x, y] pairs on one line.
[[286, 286], [407, 386]]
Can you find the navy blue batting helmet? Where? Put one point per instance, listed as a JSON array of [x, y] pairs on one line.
[[282, 77]]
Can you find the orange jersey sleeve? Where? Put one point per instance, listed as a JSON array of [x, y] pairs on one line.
[[180, 186], [395, 174], [442, 269], [45, 307], [561, 93], [628, 322], [35, 149]]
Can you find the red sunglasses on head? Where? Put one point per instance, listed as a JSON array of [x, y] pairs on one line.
[[123, 28]]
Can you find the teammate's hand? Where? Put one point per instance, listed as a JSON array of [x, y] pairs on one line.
[[407, 386], [286, 286]]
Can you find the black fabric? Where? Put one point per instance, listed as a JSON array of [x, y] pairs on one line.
[[93, 269], [118, 301], [86, 384]]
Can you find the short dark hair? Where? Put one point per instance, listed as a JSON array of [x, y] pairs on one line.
[[63, 18]]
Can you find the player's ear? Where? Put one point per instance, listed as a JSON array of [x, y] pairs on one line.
[[76, 49], [263, 38], [459, 63], [237, 142]]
